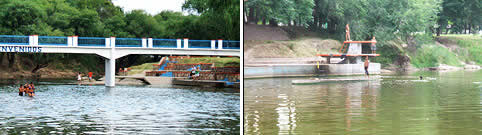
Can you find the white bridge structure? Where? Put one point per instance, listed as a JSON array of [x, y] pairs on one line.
[[113, 48]]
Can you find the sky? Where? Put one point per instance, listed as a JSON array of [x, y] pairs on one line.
[[150, 6]]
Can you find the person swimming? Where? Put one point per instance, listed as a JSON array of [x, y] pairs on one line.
[[30, 89], [20, 90]]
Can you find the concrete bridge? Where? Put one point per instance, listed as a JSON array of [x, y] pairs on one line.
[[113, 48]]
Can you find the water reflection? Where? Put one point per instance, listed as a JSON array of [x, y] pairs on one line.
[[73, 109], [450, 104]]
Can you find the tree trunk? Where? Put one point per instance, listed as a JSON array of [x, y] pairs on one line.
[[438, 30], [320, 21], [251, 15], [264, 20], [38, 67], [11, 59], [289, 22], [470, 26], [256, 15], [245, 21], [273, 22], [331, 26], [294, 23]]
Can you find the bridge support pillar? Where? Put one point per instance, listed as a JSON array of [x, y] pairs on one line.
[[110, 65], [110, 72]]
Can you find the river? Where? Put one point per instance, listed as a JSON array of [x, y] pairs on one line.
[[448, 103], [73, 109]]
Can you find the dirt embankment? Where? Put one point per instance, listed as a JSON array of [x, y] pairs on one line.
[[22, 69], [308, 47], [260, 32], [284, 42]]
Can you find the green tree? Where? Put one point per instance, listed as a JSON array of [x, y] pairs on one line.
[[219, 18]]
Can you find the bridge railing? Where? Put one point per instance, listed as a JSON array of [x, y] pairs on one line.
[[164, 43], [227, 44], [75, 41], [128, 42], [52, 40], [199, 44], [14, 40], [91, 41]]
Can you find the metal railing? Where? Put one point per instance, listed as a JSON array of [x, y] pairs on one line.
[[227, 44], [91, 41], [52, 40], [119, 42], [199, 44], [164, 43], [14, 40], [128, 42]]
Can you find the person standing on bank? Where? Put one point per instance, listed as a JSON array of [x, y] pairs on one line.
[[90, 76], [366, 66], [79, 77], [373, 46]]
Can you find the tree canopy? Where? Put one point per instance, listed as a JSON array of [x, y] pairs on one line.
[[385, 19], [213, 19]]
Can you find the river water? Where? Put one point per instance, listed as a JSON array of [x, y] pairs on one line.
[[73, 109], [448, 103]]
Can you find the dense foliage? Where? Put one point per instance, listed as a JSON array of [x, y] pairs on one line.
[[213, 19], [412, 22]]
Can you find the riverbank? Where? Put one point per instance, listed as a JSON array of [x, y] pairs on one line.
[[443, 53]]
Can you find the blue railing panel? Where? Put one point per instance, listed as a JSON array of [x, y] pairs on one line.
[[52, 40], [164, 43], [199, 44], [231, 44], [91, 41], [128, 42], [14, 40]]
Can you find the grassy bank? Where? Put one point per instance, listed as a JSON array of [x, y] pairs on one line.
[[431, 55], [218, 62], [470, 46]]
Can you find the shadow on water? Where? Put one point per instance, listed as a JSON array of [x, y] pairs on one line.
[[83, 109]]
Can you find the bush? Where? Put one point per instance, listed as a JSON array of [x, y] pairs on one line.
[[432, 56]]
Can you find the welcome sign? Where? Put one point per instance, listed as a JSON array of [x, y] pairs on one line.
[[21, 49]]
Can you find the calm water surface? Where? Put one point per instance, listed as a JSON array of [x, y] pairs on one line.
[[73, 109], [449, 103]]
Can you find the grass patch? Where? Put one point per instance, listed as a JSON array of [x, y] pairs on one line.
[[471, 46], [140, 68], [432, 55], [218, 62]]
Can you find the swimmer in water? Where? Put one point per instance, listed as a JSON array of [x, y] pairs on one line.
[[20, 90]]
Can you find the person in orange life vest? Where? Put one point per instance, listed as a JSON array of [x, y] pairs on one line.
[[31, 90]]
